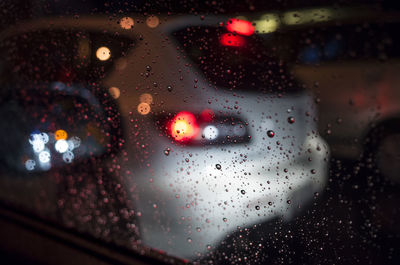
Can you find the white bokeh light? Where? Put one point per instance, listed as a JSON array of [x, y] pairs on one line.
[[61, 146], [38, 145], [210, 132], [68, 157], [38, 141], [44, 156], [74, 142], [30, 164], [45, 137]]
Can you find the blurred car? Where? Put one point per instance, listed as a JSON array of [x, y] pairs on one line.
[[349, 57], [199, 128]]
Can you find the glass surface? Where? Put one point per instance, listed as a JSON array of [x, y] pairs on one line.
[[228, 132]]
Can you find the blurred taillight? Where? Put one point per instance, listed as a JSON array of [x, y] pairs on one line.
[[240, 26], [228, 39], [204, 128], [184, 127]]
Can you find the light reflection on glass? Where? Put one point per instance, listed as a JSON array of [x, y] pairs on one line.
[[68, 157], [61, 146], [61, 135], [30, 164], [210, 132], [103, 53], [126, 23], [114, 92], [144, 108], [146, 98], [44, 156], [152, 21], [268, 23]]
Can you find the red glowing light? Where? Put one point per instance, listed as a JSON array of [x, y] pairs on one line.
[[184, 127], [228, 39], [239, 26], [207, 115]]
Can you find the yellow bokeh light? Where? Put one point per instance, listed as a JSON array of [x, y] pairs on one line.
[[103, 53], [308, 16], [114, 92], [126, 23], [144, 108], [268, 23], [61, 135], [152, 21], [146, 98]]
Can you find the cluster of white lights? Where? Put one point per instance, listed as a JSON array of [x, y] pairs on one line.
[[38, 142]]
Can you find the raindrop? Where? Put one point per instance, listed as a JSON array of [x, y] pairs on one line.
[[166, 151], [243, 191], [257, 207], [169, 88], [270, 133], [218, 166], [291, 120]]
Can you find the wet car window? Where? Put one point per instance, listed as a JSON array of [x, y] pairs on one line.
[[235, 61], [206, 133], [332, 43]]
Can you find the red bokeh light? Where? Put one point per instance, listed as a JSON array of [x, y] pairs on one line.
[[228, 39], [240, 26], [184, 127]]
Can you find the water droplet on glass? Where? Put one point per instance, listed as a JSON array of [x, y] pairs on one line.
[[166, 151], [218, 166], [270, 133], [243, 191], [257, 207], [291, 120], [169, 88]]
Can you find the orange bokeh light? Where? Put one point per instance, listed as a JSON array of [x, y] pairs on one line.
[[61, 135]]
